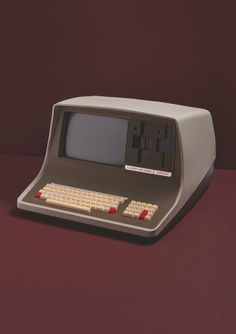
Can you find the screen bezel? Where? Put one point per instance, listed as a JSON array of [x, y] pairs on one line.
[[64, 128]]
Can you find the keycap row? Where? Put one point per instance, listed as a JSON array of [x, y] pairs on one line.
[[53, 187]]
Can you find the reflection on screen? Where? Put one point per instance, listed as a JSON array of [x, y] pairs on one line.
[[96, 138]]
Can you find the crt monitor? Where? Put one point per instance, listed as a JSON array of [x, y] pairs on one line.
[[123, 164], [94, 138]]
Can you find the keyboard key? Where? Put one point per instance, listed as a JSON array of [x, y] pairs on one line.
[[38, 194], [68, 205], [112, 210], [143, 214]]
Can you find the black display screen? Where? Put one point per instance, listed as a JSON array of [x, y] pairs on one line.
[[95, 138]]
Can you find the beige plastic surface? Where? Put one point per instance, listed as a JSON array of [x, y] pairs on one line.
[[197, 147]]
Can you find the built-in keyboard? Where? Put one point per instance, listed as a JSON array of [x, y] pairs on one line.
[[86, 200], [79, 199]]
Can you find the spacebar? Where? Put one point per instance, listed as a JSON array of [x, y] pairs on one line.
[[68, 205]]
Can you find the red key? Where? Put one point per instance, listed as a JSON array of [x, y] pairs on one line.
[[143, 214], [38, 194], [112, 210]]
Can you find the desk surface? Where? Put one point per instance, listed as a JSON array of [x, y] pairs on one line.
[[73, 280]]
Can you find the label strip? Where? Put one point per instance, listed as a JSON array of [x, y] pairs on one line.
[[148, 171]]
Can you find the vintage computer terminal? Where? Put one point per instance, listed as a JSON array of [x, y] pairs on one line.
[[122, 164]]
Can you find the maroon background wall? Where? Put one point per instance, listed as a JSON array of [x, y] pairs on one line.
[[174, 51]]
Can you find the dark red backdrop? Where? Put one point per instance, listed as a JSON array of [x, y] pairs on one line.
[[174, 51]]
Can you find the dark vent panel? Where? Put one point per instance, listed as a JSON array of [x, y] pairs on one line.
[[151, 144]]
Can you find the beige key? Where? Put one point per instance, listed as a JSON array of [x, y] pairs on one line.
[[68, 205], [127, 214], [100, 208], [103, 208], [148, 217]]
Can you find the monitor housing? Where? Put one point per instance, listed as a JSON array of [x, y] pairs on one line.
[[146, 151]]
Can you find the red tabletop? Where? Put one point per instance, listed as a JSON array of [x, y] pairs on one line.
[[55, 279]]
